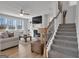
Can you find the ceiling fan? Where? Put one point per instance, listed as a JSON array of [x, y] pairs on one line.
[[23, 13]]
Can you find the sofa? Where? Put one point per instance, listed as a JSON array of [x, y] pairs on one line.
[[8, 40]]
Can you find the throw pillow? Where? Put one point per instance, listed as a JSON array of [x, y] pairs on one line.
[[4, 35], [11, 34]]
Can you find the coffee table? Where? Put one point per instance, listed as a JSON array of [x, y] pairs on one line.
[[25, 37]]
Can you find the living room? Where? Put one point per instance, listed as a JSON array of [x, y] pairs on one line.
[[39, 29], [23, 28]]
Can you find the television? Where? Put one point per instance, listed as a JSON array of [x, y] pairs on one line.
[[37, 20]]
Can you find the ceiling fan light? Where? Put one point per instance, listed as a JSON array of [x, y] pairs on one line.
[[21, 14]]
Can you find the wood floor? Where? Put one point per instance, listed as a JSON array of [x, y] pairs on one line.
[[22, 51]]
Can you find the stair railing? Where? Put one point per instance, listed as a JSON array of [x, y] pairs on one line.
[[50, 30], [50, 33]]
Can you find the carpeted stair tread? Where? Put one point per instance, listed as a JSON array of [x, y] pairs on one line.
[[61, 36], [65, 50], [66, 33], [72, 44], [55, 54], [68, 39], [65, 42]]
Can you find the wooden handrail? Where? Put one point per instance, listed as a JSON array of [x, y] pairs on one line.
[[47, 41], [54, 19], [51, 24]]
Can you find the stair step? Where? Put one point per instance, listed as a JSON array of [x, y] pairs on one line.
[[65, 50], [72, 44], [67, 24], [66, 33], [55, 54], [64, 28], [66, 37], [67, 29], [69, 39], [65, 43]]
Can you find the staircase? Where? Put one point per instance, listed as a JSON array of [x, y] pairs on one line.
[[65, 43]]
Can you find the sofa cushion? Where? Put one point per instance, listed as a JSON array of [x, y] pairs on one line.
[[3, 40], [4, 35], [10, 34], [1, 36]]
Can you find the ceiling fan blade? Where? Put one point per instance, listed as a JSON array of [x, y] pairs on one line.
[[22, 12], [26, 13]]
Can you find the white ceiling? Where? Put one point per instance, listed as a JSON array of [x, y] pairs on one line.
[[68, 4], [32, 7], [71, 3]]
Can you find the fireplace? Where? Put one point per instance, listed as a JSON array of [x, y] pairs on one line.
[[35, 33]]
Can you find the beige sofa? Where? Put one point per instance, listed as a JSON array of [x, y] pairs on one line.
[[8, 40]]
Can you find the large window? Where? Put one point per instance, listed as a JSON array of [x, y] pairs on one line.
[[19, 24], [10, 23], [2, 22]]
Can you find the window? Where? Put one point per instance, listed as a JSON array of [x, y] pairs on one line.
[[2, 22], [11, 23], [19, 24]]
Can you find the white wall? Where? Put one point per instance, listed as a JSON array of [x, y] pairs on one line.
[[42, 25], [77, 23], [70, 17]]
